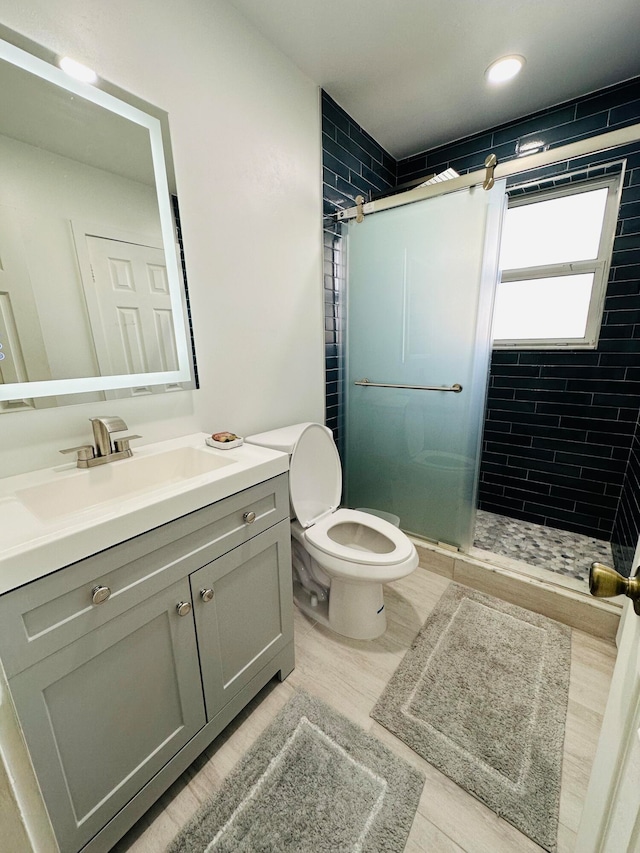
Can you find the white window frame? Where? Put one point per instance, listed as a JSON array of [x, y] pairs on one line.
[[599, 266]]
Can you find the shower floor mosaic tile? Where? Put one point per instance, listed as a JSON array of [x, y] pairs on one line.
[[559, 551]]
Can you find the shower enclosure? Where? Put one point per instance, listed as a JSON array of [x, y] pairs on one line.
[[421, 285]]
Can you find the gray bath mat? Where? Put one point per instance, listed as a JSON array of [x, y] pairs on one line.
[[313, 781], [482, 695]]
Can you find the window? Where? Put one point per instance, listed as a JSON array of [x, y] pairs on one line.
[[554, 257]]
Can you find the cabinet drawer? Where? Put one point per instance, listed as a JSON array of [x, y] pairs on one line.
[[48, 614]]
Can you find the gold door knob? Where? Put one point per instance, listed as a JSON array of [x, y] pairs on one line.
[[605, 582]]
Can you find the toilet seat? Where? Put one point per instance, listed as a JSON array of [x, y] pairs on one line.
[[320, 536], [315, 475], [344, 540]]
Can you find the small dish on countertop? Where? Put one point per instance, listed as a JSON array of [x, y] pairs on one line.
[[224, 440]]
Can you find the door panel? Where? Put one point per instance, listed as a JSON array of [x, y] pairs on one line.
[[23, 354], [611, 815], [420, 295], [129, 306], [253, 579]]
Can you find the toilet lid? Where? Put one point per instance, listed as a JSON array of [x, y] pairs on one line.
[[315, 475], [370, 540]]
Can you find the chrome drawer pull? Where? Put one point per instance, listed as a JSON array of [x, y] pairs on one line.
[[99, 594], [206, 594], [183, 608], [249, 517]]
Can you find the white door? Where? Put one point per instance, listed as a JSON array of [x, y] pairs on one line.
[[611, 816], [129, 307], [23, 355]]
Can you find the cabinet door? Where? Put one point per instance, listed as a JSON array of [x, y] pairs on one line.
[[249, 618], [104, 714]]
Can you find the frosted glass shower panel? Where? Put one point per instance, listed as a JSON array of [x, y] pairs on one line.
[[417, 315], [420, 291]]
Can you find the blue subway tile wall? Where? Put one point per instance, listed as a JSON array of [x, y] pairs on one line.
[[612, 108], [353, 164], [561, 445], [561, 442]]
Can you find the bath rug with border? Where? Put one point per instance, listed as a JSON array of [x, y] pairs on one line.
[[482, 695], [312, 781]]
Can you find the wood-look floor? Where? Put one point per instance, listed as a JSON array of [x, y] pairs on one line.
[[350, 675]]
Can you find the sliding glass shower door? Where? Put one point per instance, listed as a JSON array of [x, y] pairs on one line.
[[420, 296]]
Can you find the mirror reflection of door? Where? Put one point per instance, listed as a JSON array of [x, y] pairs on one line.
[[22, 351], [129, 308]]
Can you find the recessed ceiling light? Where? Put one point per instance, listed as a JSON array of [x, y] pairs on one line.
[[504, 69], [77, 70]]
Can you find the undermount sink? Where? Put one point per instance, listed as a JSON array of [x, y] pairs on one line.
[[118, 481]]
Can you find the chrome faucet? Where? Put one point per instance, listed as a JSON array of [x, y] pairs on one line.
[[105, 450], [102, 429]]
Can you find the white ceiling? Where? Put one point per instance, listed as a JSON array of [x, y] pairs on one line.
[[411, 72]]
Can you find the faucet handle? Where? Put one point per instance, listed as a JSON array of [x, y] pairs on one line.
[[123, 443], [84, 451]]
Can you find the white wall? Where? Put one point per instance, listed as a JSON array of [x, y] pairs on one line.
[[245, 130]]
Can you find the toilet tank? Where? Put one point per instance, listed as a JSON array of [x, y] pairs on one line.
[[315, 476], [283, 439]]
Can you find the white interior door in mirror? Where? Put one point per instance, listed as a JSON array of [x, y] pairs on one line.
[[22, 351], [129, 307]]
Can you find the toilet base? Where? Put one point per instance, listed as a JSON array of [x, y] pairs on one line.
[[302, 598], [357, 609], [354, 610]]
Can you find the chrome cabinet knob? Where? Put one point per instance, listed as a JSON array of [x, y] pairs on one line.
[[183, 608], [99, 594], [206, 594], [249, 517]]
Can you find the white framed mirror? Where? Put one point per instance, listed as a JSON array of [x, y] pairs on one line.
[[93, 295]]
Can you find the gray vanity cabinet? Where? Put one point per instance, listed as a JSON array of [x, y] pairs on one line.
[[124, 666], [106, 713]]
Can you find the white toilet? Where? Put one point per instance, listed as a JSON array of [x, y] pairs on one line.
[[341, 557]]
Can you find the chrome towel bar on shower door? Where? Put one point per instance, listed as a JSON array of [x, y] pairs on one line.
[[455, 388]]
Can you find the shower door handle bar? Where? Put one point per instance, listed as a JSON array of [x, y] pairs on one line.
[[365, 382]]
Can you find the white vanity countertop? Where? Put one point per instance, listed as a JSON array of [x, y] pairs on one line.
[[41, 530]]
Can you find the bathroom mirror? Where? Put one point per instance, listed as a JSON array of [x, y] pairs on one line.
[[92, 293]]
